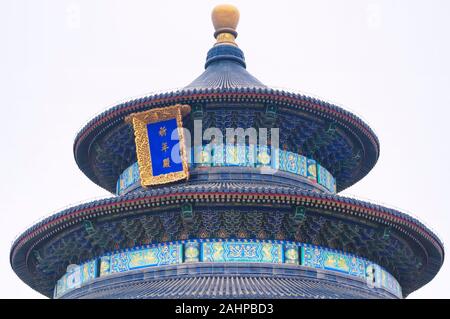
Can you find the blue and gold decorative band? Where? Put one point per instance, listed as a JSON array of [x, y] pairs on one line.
[[227, 251], [76, 276], [244, 156], [241, 251], [141, 258]]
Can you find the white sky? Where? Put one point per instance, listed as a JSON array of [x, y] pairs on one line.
[[62, 62]]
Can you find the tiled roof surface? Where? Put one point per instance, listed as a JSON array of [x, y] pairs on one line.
[[229, 281], [245, 194], [225, 69]]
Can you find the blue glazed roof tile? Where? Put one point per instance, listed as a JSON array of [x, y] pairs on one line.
[[225, 68], [217, 286]]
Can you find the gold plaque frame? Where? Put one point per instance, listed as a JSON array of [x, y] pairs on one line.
[[139, 122]]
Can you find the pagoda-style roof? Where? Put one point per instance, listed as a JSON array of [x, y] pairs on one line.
[[226, 93], [335, 138], [231, 202], [410, 252]]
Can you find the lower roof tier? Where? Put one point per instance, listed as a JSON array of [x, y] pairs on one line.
[[333, 137], [400, 244]]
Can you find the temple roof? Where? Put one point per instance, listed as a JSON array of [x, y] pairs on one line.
[[335, 138], [413, 254], [105, 146]]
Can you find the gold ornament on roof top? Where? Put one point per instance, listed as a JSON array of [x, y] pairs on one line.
[[225, 18]]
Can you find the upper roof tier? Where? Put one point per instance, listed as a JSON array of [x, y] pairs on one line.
[[229, 96]]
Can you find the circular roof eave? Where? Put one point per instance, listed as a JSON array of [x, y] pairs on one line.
[[57, 223], [115, 115]]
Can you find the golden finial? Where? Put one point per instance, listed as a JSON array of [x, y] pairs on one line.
[[225, 18]]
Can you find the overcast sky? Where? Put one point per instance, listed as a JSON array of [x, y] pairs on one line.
[[62, 62]]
